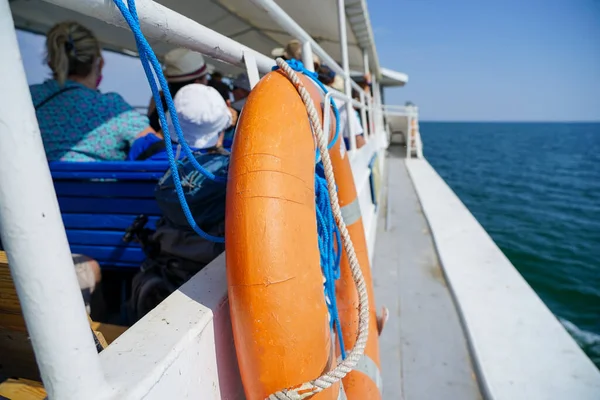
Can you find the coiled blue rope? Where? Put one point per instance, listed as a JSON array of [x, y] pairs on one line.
[[152, 67], [330, 243], [330, 247]]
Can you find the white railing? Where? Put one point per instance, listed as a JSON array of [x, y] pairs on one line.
[[30, 221], [390, 109], [412, 135], [35, 241]]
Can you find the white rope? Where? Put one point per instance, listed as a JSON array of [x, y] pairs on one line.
[[325, 381]]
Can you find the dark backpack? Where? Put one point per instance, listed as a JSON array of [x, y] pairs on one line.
[[174, 251]]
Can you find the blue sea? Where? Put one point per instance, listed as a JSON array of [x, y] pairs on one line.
[[535, 188]]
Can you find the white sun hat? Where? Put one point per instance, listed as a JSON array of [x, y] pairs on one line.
[[202, 114]]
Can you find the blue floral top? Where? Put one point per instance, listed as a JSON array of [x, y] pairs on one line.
[[82, 124]]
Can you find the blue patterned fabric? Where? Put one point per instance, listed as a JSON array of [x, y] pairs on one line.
[[82, 124], [205, 197]]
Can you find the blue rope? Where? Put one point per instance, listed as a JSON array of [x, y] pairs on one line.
[[152, 67], [330, 247]]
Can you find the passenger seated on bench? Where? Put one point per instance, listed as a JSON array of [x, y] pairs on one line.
[[216, 81], [241, 91], [329, 78], [182, 67], [203, 116], [77, 122]]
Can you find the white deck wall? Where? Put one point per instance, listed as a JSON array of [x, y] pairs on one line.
[[519, 348], [182, 349]]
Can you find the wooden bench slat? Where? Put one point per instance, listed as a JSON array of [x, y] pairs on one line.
[[99, 205], [22, 389], [119, 189], [107, 175], [104, 222], [110, 166], [98, 238], [17, 358]]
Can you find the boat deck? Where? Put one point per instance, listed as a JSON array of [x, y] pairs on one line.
[[424, 353]]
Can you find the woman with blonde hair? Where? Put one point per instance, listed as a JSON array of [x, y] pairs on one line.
[[77, 122]]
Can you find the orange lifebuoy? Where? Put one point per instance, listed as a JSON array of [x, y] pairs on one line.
[[364, 382], [278, 311]]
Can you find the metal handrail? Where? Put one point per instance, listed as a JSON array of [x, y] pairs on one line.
[[290, 26], [393, 107], [34, 238], [161, 23]]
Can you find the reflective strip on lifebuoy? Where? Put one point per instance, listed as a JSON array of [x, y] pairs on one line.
[[342, 395], [368, 367], [351, 212]]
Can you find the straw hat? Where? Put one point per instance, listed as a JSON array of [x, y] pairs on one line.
[[338, 83], [293, 51], [183, 65]]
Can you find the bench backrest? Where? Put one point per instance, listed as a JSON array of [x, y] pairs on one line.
[[100, 200]]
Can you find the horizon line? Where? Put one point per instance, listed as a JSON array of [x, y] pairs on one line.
[[508, 121]]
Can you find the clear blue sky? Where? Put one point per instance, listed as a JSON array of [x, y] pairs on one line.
[[493, 60], [515, 60]]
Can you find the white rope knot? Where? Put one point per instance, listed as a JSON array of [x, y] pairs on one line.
[[325, 381]]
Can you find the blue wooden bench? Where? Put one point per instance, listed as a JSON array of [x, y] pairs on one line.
[[100, 200]]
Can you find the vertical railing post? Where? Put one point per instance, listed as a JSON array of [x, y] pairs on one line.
[[378, 105], [307, 56], [346, 67], [418, 141], [251, 69], [365, 99], [363, 115], [371, 115], [408, 133], [34, 239]]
